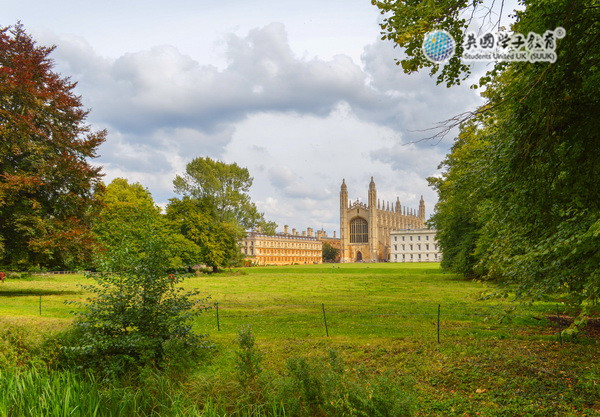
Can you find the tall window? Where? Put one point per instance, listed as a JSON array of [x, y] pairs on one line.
[[359, 231]]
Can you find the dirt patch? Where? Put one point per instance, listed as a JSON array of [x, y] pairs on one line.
[[591, 329]]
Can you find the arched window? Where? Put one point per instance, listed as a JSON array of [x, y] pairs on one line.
[[359, 231]]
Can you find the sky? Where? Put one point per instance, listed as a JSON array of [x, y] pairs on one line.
[[303, 94]]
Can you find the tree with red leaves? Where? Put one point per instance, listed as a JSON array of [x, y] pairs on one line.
[[47, 185]]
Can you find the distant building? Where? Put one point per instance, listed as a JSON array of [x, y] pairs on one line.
[[282, 248], [365, 228], [414, 245]]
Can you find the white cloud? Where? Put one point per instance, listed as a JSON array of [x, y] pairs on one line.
[[299, 124]]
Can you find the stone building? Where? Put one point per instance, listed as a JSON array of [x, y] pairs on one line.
[[365, 228], [282, 248], [414, 245]]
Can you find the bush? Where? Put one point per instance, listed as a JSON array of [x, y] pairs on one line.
[[138, 315]]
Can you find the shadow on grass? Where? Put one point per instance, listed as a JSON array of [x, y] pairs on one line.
[[34, 291]]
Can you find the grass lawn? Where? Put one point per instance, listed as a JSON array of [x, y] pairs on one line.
[[380, 317]]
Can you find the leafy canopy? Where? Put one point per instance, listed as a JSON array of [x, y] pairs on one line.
[[215, 210], [406, 22], [518, 198], [216, 242], [221, 188], [128, 211], [47, 184]]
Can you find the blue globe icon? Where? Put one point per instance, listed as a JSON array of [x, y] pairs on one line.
[[438, 46]]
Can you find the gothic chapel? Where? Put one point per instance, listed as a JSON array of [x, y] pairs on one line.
[[365, 229]]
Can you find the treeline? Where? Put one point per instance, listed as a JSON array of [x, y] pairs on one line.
[[519, 198], [55, 211]]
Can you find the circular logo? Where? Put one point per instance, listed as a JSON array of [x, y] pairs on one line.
[[438, 46]]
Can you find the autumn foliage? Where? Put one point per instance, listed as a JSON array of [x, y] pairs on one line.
[[47, 183]]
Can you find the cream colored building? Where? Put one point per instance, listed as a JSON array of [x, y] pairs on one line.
[[365, 228], [414, 245], [282, 248]]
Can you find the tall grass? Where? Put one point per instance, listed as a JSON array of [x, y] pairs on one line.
[[34, 392], [37, 393]]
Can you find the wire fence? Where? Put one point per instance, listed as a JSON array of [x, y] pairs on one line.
[[434, 321], [422, 319]]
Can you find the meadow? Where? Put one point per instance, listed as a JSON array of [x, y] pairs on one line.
[[495, 356]]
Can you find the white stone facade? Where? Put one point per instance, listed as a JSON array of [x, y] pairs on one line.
[[414, 245]]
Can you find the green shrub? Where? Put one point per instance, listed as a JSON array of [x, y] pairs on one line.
[[138, 315]]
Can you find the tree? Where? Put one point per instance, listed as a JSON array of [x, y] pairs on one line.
[[129, 211], [462, 191], [519, 195], [216, 210], [217, 242], [47, 185], [407, 21], [222, 190], [330, 254]]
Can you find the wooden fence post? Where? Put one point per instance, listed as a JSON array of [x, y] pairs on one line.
[[218, 323], [325, 319], [438, 323], [558, 324]]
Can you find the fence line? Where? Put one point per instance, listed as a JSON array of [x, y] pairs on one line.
[[438, 317], [444, 320], [317, 304], [308, 307]]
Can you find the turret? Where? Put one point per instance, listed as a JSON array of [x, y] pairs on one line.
[[398, 206], [343, 198], [422, 209], [344, 235], [373, 239], [372, 193]]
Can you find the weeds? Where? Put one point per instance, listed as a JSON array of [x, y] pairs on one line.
[[248, 359], [323, 387]]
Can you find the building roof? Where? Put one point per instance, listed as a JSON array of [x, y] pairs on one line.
[[282, 236]]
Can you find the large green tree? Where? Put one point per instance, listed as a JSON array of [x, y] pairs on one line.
[[128, 213], [524, 172], [216, 209], [221, 188], [47, 184], [457, 216], [217, 241]]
